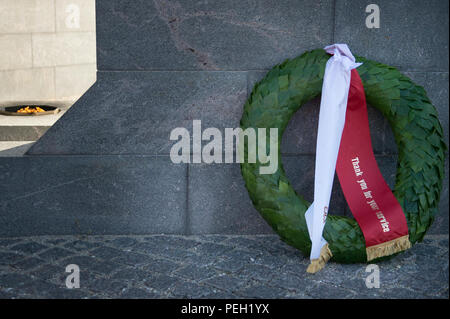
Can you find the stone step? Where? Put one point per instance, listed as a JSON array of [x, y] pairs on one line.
[[44, 195], [140, 194], [22, 133], [14, 148]]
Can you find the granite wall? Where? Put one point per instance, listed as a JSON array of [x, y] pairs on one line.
[[104, 167]]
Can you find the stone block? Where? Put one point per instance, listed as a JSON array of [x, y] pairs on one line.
[[75, 15], [219, 35], [135, 112], [413, 35], [15, 52], [219, 202], [27, 84], [24, 16], [52, 195], [65, 48], [73, 81]]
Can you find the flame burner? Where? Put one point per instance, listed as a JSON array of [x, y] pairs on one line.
[[29, 110]]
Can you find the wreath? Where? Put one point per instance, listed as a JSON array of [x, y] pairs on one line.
[[418, 134]]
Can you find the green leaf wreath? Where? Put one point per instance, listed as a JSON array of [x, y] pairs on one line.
[[418, 134]]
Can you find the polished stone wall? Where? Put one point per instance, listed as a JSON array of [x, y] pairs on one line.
[[104, 167]]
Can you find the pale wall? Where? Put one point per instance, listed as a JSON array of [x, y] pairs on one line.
[[45, 55]]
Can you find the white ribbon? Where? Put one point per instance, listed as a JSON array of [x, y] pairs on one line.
[[336, 84]]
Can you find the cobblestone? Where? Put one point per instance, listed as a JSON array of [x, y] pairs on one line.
[[207, 266]]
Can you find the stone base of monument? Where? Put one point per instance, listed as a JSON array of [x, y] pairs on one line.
[[105, 166]]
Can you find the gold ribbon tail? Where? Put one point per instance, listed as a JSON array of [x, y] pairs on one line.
[[319, 263], [388, 248]]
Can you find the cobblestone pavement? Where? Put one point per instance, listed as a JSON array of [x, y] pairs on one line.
[[209, 266]]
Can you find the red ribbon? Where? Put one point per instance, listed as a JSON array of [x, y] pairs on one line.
[[370, 199]]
